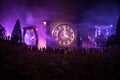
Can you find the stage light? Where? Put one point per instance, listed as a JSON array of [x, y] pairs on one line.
[[45, 23], [111, 25], [107, 33], [26, 35], [99, 32], [36, 29]]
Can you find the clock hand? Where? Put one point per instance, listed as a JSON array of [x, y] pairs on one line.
[[66, 36], [64, 33]]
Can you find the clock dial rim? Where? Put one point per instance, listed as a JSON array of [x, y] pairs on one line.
[[66, 43]]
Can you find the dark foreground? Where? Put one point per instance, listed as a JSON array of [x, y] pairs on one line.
[[19, 63]]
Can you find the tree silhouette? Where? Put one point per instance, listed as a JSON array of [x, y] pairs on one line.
[[118, 31], [2, 32], [118, 27], [16, 36]]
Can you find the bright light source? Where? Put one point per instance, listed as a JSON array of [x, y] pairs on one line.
[[107, 33], [45, 23], [36, 29], [111, 25], [26, 35]]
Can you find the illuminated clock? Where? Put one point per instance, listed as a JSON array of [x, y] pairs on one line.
[[63, 34]]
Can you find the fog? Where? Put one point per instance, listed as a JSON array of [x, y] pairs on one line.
[[34, 12]]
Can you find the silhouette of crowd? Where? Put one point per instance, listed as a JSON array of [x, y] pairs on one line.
[[18, 62]]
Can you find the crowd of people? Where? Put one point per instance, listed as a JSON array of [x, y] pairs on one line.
[[18, 62]]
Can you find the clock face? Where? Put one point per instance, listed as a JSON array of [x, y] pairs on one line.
[[63, 34]]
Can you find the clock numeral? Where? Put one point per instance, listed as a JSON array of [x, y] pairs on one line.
[[71, 30], [55, 31], [71, 39], [64, 43], [72, 35], [58, 28], [55, 35], [64, 26], [67, 42], [60, 42]]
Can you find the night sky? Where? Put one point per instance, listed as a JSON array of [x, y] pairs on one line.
[[71, 7], [96, 11], [82, 10]]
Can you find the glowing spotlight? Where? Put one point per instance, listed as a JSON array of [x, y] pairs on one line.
[[26, 35], [111, 25], [99, 32], [45, 23], [36, 29], [107, 33]]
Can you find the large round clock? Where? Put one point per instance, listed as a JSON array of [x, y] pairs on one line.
[[63, 34]]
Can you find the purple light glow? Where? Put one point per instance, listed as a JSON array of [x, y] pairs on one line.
[[107, 33], [26, 15], [31, 14], [104, 13], [103, 29], [30, 38], [45, 23], [41, 35]]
